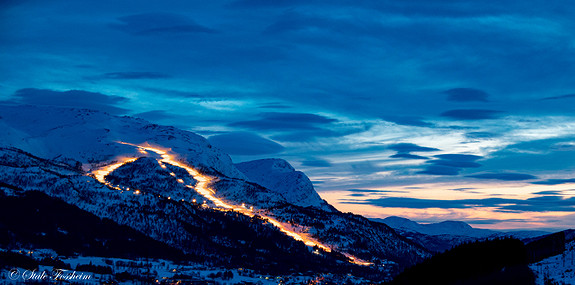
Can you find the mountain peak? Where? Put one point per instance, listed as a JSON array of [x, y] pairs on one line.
[[455, 225], [397, 219], [280, 177]]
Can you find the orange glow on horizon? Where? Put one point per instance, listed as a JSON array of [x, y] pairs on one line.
[[495, 218]]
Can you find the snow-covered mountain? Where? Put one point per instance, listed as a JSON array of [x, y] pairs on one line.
[[199, 233], [55, 151], [91, 137], [280, 177], [558, 268]]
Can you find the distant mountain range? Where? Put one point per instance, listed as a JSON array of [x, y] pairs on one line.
[[442, 228], [441, 236]]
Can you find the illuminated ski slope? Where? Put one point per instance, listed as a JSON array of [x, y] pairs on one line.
[[202, 187]]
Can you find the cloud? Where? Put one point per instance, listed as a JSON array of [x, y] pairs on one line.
[[534, 156], [404, 202], [544, 203], [409, 147], [408, 121], [365, 167], [549, 192], [134, 75], [298, 117], [285, 121], [367, 191], [242, 143], [155, 115], [554, 181], [493, 221], [306, 135], [71, 98], [454, 163], [316, 162], [480, 135], [440, 170], [450, 164], [6, 4], [292, 21], [441, 9], [274, 106], [564, 146], [312, 134], [159, 23], [434, 9], [265, 3], [408, 156], [466, 95], [537, 204], [458, 157], [404, 151], [174, 93], [504, 176], [463, 189], [567, 96], [471, 114], [456, 160]]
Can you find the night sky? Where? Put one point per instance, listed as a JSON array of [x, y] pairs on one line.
[[432, 110]]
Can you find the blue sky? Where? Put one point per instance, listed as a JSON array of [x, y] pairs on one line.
[[435, 109]]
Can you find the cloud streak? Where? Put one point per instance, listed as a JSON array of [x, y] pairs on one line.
[[504, 176], [410, 147], [466, 95], [408, 156], [134, 75], [159, 23], [471, 114], [71, 98], [316, 162], [440, 170], [541, 203], [555, 181], [243, 143], [285, 121]]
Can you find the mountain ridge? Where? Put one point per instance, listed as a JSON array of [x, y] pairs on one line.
[[444, 227], [441, 236], [91, 137], [40, 153]]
